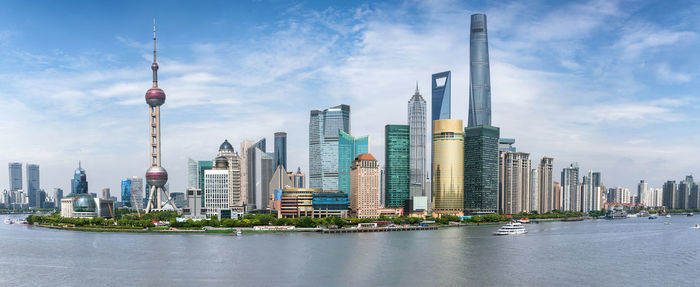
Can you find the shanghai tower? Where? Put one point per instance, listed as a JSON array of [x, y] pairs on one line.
[[479, 75]]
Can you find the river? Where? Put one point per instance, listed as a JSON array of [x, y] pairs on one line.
[[627, 252]]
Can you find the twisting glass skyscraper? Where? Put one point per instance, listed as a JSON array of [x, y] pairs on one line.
[[417, 113], [479, 75]]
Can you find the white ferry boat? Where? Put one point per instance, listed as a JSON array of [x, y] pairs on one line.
[[512, 228], [8, 221]]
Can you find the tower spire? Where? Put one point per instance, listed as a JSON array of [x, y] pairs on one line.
[[416, 87], [154, 66]]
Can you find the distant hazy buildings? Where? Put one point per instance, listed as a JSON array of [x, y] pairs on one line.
[[571, 195], [323, 145], [15, 169], [364, 199], [448, 167], [33, 185], [669, 199]]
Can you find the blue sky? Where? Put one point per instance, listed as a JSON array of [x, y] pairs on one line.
[[609, 84]]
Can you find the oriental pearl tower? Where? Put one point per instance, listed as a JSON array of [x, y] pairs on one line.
[[156, 175]]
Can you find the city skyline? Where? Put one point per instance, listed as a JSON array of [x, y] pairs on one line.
[[618, 135]]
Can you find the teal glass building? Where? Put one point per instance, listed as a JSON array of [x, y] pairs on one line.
[[348, 149], [397, 166], [481, 169]]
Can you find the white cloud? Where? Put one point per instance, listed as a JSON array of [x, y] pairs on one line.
[[665, 75]]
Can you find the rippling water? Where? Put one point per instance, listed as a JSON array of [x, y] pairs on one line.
[[636, 251]]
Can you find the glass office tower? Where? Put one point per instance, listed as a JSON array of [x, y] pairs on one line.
[[281, 149], [15, 169], [348, 149], [481, 169], [441, 96], [33, 183], [323, 145], [479, 74], [126, 193], [397, 165]]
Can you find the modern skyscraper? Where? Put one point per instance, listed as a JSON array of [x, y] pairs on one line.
[[192, 173], [126, 193], [57, 196], [156, 175], [448, 167], [684, 188], [514, 182], [260, 169], [534, 190], [33, 185], [245, 145], [643, 193], [546, 185], [105, 193], [281, 149], [571, 198], [216, 187], [669, 199], [479, 80], [441, 96], [364, 202], [597, 190], [397, 165], [481, 169], [556, 198], [349, 148], [79, 184], [323, 145], [417, 115], [233, 166], [15, 169], [137, 192]]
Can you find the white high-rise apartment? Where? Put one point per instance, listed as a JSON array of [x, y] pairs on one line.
[[216, 185], [534, 191], [514, 182]]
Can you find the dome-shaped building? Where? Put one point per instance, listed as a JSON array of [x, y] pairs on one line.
[[84, 206], [226, 146]]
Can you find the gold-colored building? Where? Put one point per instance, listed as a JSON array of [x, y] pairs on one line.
[[448, 167]]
